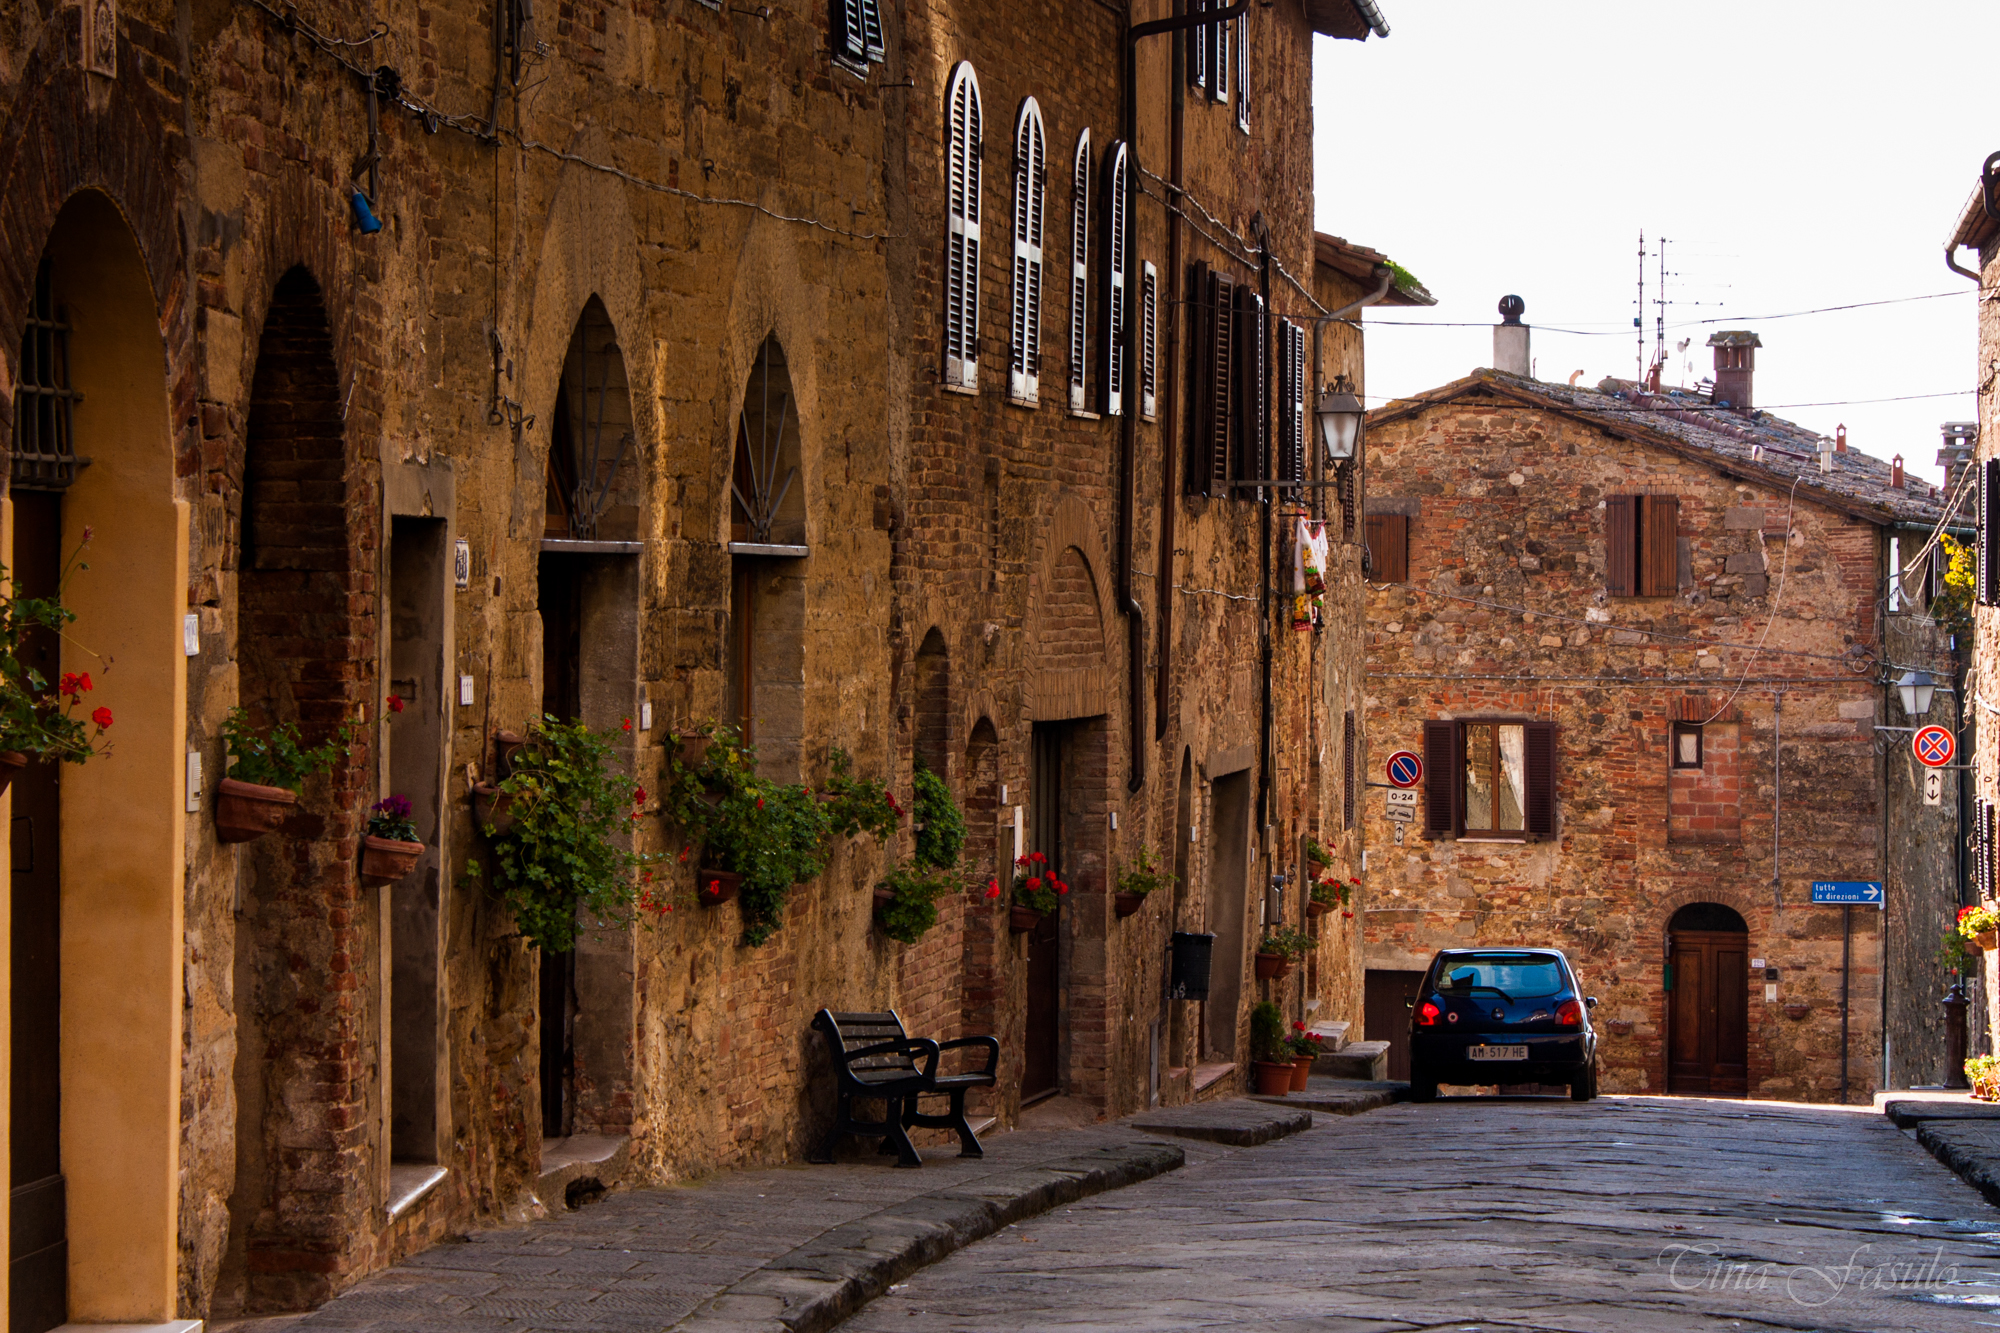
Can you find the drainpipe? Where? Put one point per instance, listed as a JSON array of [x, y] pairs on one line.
[[1163, 677], [1777, 789], [1128, 435], [1267, 721]]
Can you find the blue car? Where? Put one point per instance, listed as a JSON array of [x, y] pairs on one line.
[[1501, 1016]]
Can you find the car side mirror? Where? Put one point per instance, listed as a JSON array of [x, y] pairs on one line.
[[1590, 1001]]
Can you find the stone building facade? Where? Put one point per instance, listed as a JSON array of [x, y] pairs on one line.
[[441, 367], [1641, 641]]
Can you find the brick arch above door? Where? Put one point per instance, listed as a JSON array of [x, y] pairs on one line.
[[1662, 908], [1068, 668]]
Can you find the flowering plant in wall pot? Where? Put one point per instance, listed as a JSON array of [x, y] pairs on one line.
[[567, 854], [1037, 891], [1983, 1072], [1328, 894], [268, 769], [1979, 924], [39, 720], [1276, 951], [906, 899], [390, 848], [858, 805], [1139, 878]]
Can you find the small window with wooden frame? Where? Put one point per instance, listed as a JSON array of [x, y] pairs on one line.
[[1491, 778], [1686, 745], [1388, 538], [1642, 545]]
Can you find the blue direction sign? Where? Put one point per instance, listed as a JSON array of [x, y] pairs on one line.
[[1861, 892]]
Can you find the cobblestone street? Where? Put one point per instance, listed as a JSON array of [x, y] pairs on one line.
[[1528, 1214]]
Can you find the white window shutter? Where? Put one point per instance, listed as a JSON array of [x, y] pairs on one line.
[[1219, 60], [1197, 48], [1116, 310], [872, 41], [961, 298], [1149, 332], [1243, 73], [1024, 369], [1079, 271]]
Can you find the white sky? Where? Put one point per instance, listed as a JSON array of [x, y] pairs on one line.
[[1795, 155]]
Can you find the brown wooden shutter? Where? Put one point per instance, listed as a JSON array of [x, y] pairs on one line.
[[1988, 561], [1388, 537], [1540, 814], [1252, 379], [1440, 779], [1200, 381], [1347, 774], [1621, 545], [1659, 545]]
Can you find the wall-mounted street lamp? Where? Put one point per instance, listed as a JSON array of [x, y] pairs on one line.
[[1340, 414], [1916, 687]]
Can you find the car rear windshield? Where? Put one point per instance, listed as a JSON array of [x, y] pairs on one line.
[[1510, 974]]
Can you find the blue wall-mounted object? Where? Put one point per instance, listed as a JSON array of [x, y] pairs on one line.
[[364, 216]]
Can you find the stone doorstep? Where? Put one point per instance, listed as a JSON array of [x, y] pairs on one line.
[[1342, 1096], [822, 1282], [1364, 1060], [171, 1326], [1240, 1122], [599, 1157], [1908, 1111], [1332, 1034]]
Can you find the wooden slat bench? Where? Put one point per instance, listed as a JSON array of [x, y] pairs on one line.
[[874, 1056]]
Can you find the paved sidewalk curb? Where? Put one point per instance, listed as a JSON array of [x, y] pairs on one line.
[[824, 1281], [1969, 1147]]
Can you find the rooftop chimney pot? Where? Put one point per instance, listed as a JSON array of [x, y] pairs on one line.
[[1735, 361], [1510, 340], [1840, 438], [1896, 472]]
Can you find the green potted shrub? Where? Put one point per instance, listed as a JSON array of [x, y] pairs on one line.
[[1277, 949], [267, 772], [940, 825], [36, 719], [390, 847], [1037, 892], [1271, 1060], [906, 899], [566, 852], [755, 838], [1137, 880]]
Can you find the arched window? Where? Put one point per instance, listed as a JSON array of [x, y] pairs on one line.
[[933, 701], [592, 495], [1115, 312], [767, 595], [1079, 269], [1031, 175], [963, 132]]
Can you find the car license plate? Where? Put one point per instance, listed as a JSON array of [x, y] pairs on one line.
[[1497, 1052]]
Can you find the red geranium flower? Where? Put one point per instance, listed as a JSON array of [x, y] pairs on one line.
[[1061, 887], [1035, 884], [760, 803], [993, 889], [395, 703], [628, 724], [102, 717], [639, 796]]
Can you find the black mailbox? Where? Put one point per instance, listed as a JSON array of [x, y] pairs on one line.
[[1189, 977]]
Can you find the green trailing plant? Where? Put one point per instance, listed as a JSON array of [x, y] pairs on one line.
[[390, 818], [1331, 892], [1286, 942], [773, 834], [912, 910], [1141, 876], [1035, 886], [858, 805], [1952, 607], [279, 756], [940, 825], [1267, 1034], [1952, 955], [37, 717], [567, 851], [1317, 854]]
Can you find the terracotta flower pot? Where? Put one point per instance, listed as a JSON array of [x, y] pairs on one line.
[[883, 897], [506, 744], [1987, 941], [1318, 908], [1272, 966], [11, 763], [1021, 919], [1301, 1068], [386, 860], [491, 806], [1797, 1011], [1127, 903], [245, 810], [716, 887], [1273, 1079], [694, 749], [1620, 1027]]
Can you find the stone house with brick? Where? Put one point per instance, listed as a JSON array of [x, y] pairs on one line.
[[1643, 640], [416, 373]]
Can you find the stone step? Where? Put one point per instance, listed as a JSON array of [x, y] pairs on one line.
[[1241, 1122], [1367, 1060], [1332, 1035], [1342, 1096]]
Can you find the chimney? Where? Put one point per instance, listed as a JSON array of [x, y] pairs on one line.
[[1735, 360], [1961, 438], [1896, 472], [1510, 339], [1840, 438]]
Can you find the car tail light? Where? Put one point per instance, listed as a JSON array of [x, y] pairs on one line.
[[1427, 1015], [1570, 1013]]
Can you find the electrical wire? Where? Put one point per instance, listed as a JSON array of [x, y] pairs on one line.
[[1621, 332], [1777, 598]]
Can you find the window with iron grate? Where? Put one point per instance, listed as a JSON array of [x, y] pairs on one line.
[[44, 456]]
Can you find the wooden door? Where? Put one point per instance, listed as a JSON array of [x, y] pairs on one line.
[[38, 1267], [1386, 1014], [1041, 1066], [1708, 1018]]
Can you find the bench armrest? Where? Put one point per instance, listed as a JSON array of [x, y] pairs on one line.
[[914, 1047], [991, 1044]]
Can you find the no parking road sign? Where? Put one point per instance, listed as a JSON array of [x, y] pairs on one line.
[[1405, 769], [1934, 746]]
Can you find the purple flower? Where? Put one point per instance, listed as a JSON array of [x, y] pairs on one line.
[[394, 807]]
